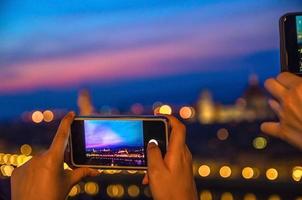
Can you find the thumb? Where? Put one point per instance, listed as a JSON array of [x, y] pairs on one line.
[[78, 174], [154, 158]]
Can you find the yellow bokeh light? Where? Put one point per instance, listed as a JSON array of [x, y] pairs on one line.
[[20, 160], [115, 191], [66, 166], [132, 171], [26, 149], [37, 116], [133, 191], [91, 188], [186, 112], [13, 160], [297, 173], [271, 174], [274, 197], [250, 196], [48, 115], [225, 172], [205, 195], [222, 134], [204, 170], [6, 159], [165, 110], [7, 170], [1, 158], [227, 196], [259, 143], [75, 190], [247, 173]]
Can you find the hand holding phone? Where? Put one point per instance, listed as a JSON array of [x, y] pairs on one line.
[[116, 142]]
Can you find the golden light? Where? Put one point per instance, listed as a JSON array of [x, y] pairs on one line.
[[13, 160], [249, 196], [274, 197], [186, 112], [91, 188], [115, 191], [131, 171], [7, 170], [66, 166], [1, 158], [165, 110], [6, 159], [259, 143], [75, 190], [37, 117], [271, 174], [48, 116], [100, 171], [133, 191], [222, 134], [20, 160], [205, 195], [204, 170], [26, 149], [227, 196], [225, 171], [297, 173], [247, 173]]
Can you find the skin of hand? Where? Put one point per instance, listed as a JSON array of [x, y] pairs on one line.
[[43, 177], [171, 177], [287, 90]]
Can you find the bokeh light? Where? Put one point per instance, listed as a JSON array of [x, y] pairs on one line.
[[133, 191], [75, 190], [247, 173], [26, 149], [137, 109], [7, 170], [274, 197], [271, 174], [225, 171], [205, 195], [115, 191], [222, 134], [13, 160], [91, 188], [227, 196], [6, 158], [147, 192], [297, 173], [37, 116], [204, 170], [249, 196], [259, 143], [48, 116], [187, 112], [165, 110]]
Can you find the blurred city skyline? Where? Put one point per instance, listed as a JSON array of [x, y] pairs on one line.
[[134, 51]]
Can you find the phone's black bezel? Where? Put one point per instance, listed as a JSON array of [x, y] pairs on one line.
[[155, 127], [289, 56]]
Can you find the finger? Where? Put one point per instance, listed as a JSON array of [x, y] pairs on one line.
[[177, 139], [288, 80], [271, 128], [145, 180], [60, 141], [275, 88], [275, 106], [78, 174], [154, 158]]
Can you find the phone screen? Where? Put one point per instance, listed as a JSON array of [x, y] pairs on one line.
[[299, 39], [114, 143]]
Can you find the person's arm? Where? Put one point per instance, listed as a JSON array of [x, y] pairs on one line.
[[287, 90], [43, 177], [171, 178]]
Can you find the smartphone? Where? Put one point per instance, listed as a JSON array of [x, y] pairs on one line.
[[116, 142], [291, 42]]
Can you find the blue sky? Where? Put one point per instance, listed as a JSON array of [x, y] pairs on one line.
[[153, 50]]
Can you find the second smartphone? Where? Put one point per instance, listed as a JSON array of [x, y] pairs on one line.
[[116, 142]]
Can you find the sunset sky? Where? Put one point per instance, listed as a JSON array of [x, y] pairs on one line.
[[133, 51]]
